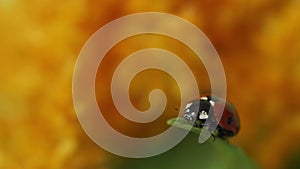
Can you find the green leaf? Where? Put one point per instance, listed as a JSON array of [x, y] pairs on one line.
[[182, 123], [190, 154]]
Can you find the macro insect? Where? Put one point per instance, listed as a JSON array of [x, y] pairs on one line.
[[207, 109]]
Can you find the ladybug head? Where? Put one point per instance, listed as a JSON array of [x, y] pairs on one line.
[[197, 111]]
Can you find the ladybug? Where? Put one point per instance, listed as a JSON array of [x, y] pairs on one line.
[[208, 108]]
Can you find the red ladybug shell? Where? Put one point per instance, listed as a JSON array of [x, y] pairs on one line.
[[229, 121]]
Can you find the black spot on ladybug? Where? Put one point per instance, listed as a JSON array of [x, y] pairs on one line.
[[229, 120]]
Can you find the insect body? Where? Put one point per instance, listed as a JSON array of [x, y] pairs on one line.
[[206, 110]]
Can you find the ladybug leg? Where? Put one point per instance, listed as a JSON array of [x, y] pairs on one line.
[[197, 124], [221, 136], [214, 135]]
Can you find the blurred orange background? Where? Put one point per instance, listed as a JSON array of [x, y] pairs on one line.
[[258, 43]]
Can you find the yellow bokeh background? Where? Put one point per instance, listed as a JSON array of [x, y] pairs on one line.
[[258, 43]]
